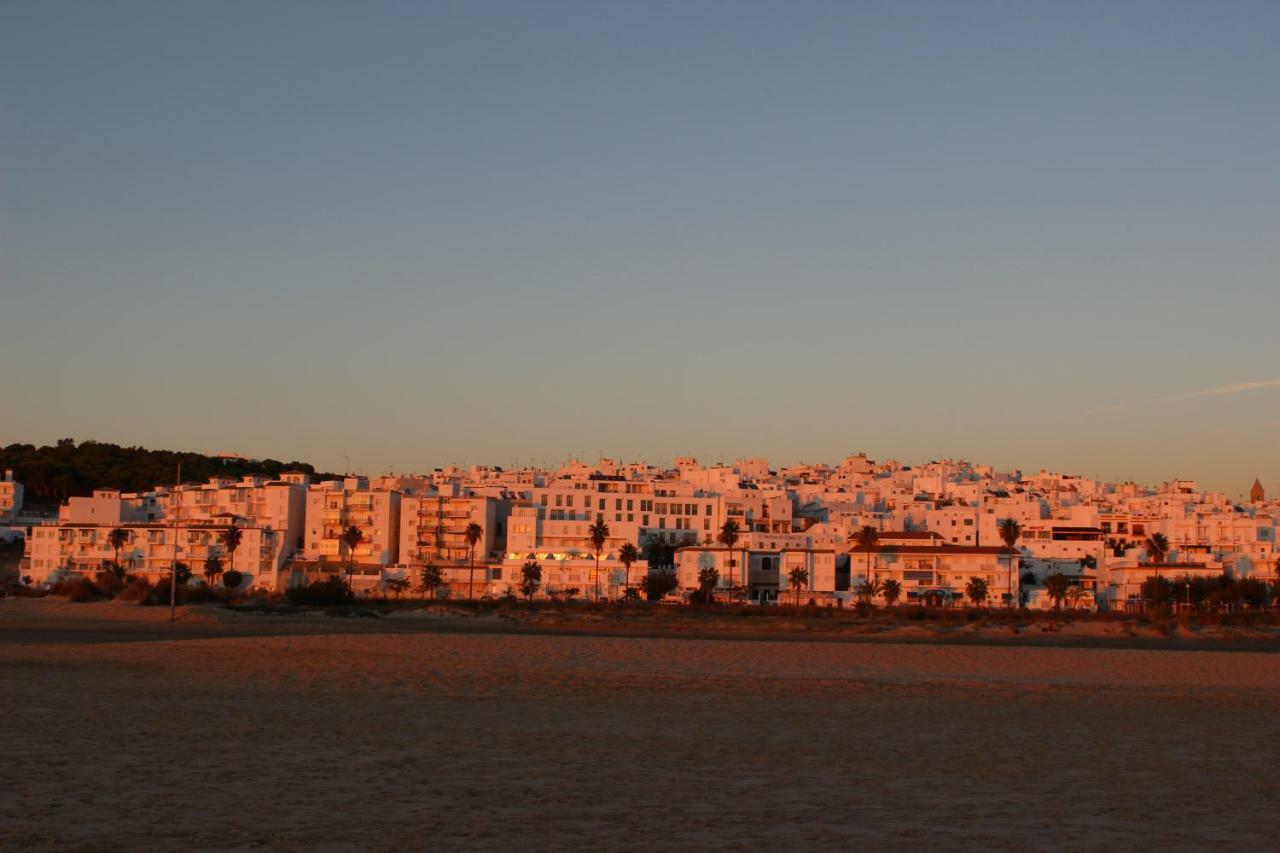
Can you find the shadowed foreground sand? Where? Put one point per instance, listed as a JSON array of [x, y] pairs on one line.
[[447, 740]]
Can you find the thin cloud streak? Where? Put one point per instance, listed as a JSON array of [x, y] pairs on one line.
[[1230, 388], [1215, 391]]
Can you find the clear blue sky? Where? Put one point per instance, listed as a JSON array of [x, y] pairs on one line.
[[419, 233]]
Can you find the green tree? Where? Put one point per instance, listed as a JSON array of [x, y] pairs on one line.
[[474, 533], [231, 579], [431, 579], [728, 536], [628, 554], [977, 591], [799, 578], [118, 538], [530, 578], [1010, 533], [892, 591], [659, 584], [598, 536]]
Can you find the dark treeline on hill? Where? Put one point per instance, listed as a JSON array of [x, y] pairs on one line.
[[63, 470]]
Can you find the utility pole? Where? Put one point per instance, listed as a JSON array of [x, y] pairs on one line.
[[173, 570]]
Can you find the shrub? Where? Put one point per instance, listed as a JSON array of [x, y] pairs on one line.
[[658, 584], [75, 588], [83, 590], [137, 589], [109, 582], [202, 594], [331, 592], [232, 579]]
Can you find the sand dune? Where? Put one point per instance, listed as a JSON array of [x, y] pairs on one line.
[[451, 740]]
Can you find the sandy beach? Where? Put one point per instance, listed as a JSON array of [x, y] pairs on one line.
[[234, 731]]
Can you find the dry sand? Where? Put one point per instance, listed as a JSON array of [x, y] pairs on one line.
[[228, 731]]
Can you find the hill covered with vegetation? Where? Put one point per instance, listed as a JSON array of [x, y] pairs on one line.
[[66, 469]]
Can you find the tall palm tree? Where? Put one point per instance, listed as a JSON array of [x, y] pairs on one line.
[[118, 538], [728, 536], [1010, 532], [867, 538], [474, 533], [628, 554], [351, 537], [798, 577], [868, 590], [231, 541], [1157, 546], [598, 536]]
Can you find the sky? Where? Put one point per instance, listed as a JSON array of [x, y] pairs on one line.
[[391, 236]]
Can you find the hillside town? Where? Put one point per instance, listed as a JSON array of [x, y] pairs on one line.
[[945, 533]]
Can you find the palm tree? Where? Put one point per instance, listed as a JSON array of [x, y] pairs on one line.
[[431, 578], [868, 590], [351, 537], [708, 577], [1057, 585], [119, 537], [1157, 546], [628, 554], [892, 591], [728, 536], [867, 538], [1075, 595], [799, 578], [212, 568], [398, 585], [1010, 532], [976, 590], [231, 541], [598, 535], [530, 578], [474, 534]]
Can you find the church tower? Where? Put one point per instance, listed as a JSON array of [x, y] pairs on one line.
[[1257, 494]]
